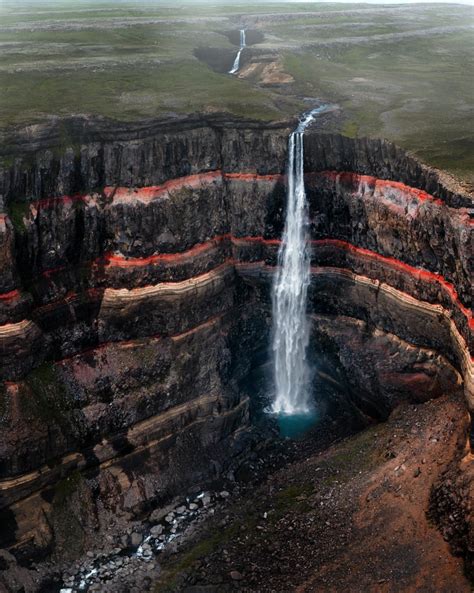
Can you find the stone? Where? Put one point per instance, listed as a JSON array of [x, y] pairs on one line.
[[156, 530], [136, 539], [235, 575]]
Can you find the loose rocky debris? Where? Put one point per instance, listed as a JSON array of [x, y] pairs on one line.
[[136, 560], [352, 518], [297, 516]]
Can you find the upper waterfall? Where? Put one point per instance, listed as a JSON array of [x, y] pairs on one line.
[[290, 289], [236, 64]]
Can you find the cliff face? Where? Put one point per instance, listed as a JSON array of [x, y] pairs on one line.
[[134, 299]]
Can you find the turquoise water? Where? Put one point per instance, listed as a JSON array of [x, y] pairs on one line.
[[295, 426]]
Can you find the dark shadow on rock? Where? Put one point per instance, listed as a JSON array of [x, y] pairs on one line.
[[8, 527], [218, 59]]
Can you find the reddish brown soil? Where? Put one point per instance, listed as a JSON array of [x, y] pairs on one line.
[[350, 519]]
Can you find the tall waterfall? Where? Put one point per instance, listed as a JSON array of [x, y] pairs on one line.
[[236, 64], [290, 289]]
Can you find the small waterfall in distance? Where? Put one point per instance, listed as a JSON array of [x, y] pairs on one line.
[[290, 290], [236, 65]]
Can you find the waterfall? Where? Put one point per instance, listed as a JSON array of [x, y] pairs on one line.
[[236, 64], [290, 289]]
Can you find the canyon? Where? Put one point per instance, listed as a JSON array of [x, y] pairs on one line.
[[135, 305]]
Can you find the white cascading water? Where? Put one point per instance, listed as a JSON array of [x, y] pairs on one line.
[[290, 289], [236, 65]]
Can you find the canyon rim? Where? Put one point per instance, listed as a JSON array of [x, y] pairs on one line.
[[236, 329]]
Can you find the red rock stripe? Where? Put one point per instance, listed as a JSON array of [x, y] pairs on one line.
[[120, 261], [48, 202], [10, 296], [418, 273], [154, 191], [376, 183], [194, 180], [254, 177], [117, 260]]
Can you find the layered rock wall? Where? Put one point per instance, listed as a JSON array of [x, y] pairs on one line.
[[135, 293]]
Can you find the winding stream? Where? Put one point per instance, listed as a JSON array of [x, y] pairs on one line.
[[236, 64]]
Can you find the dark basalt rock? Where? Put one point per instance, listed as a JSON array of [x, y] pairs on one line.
[[130, 319]]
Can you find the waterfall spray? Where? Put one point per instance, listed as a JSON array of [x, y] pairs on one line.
[[236, 65], [290, 289]]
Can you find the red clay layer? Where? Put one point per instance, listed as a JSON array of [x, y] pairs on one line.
[[355, 179], [120, 261], [111, 260], [375, 183], [10, 296], [417, 273], [197, 179], [116, 260]]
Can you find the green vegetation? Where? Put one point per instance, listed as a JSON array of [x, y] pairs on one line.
[[354, 455], [18, 211], [65, 489], [291, 499], [46, 399], [131, 61], [200, 549], [131, 93]]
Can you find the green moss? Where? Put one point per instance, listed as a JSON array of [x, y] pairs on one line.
[[202, 548], [350, 129], [18, 211], [413, 92], [64, 489], [354, 455], [292, 499], [46, 399]]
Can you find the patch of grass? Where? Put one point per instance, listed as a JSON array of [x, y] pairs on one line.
[[414, 91], [201, 549], [354, 455], [292, 499], [350, 129], [129, 93]]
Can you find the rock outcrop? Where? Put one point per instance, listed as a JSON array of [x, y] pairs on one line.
[[134, 299]]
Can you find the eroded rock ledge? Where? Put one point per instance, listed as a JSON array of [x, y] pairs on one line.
[[134, 299]]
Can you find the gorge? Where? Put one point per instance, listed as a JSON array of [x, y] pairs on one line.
[[135, 303]]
